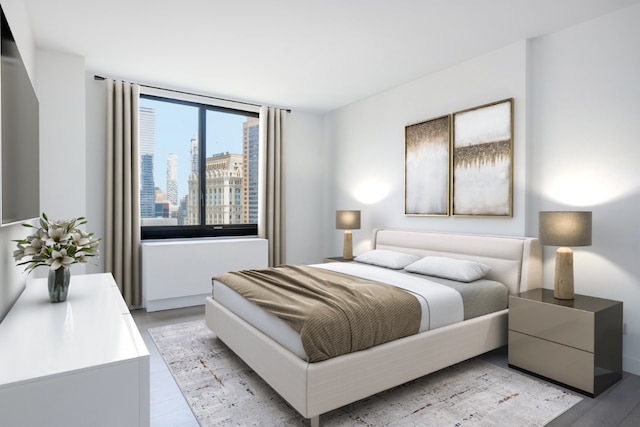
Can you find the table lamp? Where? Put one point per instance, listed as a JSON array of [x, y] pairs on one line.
[[564, 229], [347, 221]]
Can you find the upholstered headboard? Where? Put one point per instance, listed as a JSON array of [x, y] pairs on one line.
[[514, 261]]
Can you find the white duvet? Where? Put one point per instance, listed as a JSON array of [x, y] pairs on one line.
[[441, 305]]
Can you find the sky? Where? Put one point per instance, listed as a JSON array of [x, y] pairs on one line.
[[176, 125]]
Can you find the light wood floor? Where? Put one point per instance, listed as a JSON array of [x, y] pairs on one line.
[[617, 406]]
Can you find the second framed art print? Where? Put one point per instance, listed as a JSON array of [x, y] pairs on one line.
[[483, 160], [426, 165]]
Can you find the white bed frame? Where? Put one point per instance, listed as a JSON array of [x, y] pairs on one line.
[[315, 388]]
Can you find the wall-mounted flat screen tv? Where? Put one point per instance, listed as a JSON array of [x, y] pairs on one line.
[[20, 135]]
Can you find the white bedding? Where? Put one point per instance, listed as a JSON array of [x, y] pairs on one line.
[[440, 304]]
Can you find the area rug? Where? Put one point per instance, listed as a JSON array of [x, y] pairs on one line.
[[223, 391]]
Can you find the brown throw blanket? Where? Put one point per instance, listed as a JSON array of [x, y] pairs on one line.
[[334, 313]]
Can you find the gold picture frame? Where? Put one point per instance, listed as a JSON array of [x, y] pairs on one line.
[[482, 160], [427, 167]]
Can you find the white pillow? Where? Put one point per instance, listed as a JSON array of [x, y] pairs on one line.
[[449, 268], [388, 259]]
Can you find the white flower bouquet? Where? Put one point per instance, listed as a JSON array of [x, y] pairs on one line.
[[56, 244]]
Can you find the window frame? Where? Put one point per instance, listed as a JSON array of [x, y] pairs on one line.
[[203, 230]]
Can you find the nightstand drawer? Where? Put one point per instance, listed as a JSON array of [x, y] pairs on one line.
[[567, 365], [574, 328]]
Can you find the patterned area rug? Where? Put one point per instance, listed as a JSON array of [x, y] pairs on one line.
[[223, 391]]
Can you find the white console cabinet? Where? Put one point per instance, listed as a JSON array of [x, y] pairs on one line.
[[81, 362], [168, 284]]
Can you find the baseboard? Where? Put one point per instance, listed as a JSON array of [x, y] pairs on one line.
[[631, 365], [171, 303]]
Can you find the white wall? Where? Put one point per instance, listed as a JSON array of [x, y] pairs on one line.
[[365, 146], [305, 183], [63, 162], [96, 135], [585, 101], [62, 143]]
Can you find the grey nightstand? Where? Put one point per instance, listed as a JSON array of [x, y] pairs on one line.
[[574, 342]]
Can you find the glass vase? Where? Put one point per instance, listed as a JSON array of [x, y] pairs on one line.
[[59, 284]]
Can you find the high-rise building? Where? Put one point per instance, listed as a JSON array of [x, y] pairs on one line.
[[172, 179], [192, 213], [223, 194], [250, 147], [182, 210], [195, 155], [147, 149]]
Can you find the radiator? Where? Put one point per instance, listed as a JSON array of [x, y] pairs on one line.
[[178, 273]]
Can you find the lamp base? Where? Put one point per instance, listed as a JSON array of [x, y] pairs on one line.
[[347, 251], [563, 283]]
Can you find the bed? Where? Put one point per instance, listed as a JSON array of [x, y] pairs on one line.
[[314, 388]]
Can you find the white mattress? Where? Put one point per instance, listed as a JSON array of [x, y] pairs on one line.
[[440, 304]]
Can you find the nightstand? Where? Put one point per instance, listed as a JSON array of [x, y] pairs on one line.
[[336, 259], [577, 343]]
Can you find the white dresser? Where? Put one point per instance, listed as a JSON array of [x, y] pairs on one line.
[[81, 362]]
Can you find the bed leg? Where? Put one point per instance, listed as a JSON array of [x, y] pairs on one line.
[[315, 421]]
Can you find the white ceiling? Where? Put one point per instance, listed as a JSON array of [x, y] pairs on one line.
[[312, 55]]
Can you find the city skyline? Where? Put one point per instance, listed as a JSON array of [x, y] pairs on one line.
[[176, 125], [170, 193]]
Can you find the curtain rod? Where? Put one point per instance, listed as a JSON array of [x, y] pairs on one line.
[[96, 77]]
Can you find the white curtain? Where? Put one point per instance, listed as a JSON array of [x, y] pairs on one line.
[[122, 230], [271, 221]]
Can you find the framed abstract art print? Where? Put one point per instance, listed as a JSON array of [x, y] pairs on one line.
[[482, 182], [427, 166]]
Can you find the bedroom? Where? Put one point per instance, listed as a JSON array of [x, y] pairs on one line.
[[574, 89]]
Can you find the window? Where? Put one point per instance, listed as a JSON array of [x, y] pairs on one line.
[[198, 169]]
